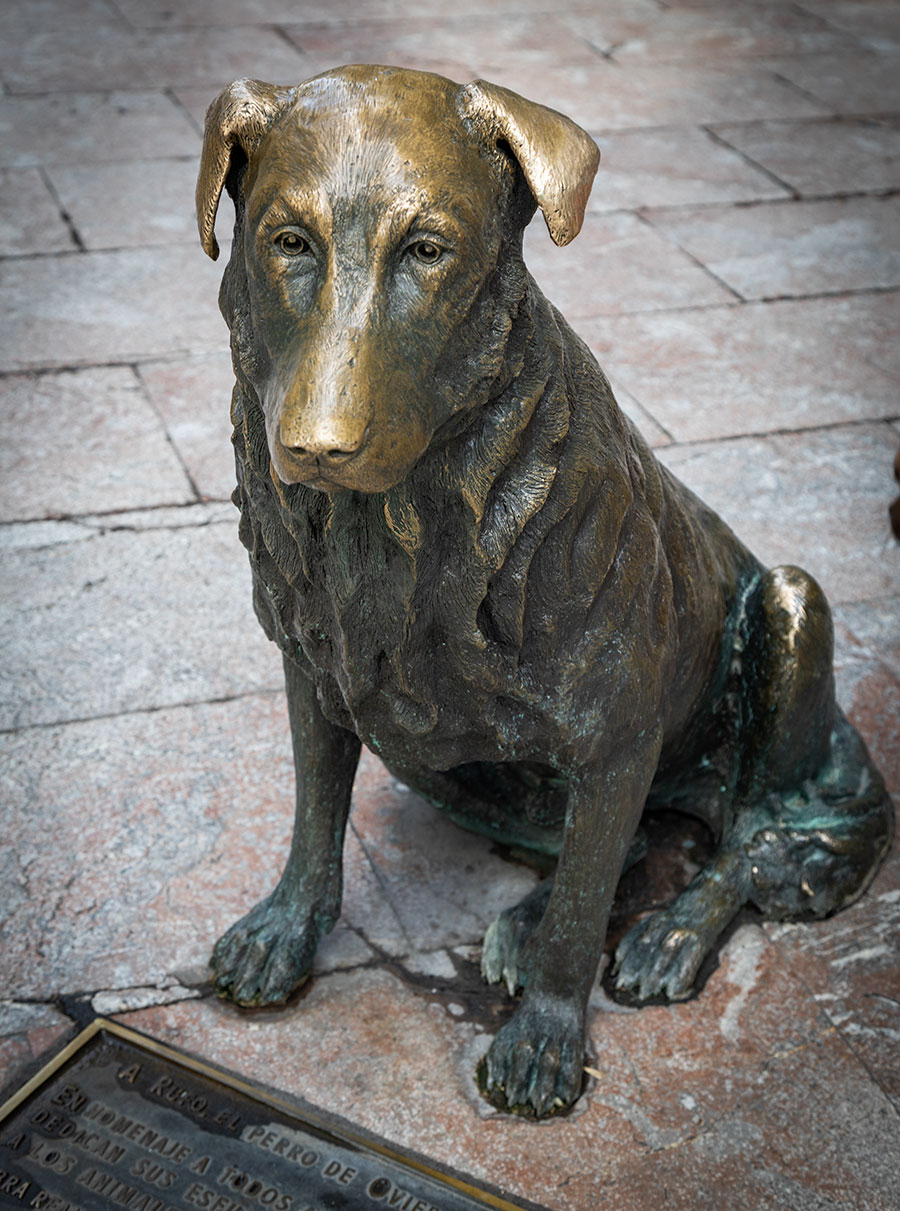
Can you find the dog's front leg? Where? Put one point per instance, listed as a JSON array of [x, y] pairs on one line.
[[267, 955], [536, 1060]]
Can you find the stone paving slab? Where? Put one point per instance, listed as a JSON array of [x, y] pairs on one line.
[[83, 441], [796, 249], [23, 16], [721, 372], [77, 62], [174, 823], [852, 965], [420, 42], [864, 83], [126, 620], [193, 396], [121, 306], [692, 34], [92, 127], [675, 166], [746, 1096], [609, 96], [29, 215], [875, 627], [876, 24], [618, 264], [133, 203], [835, 156], [817, 499]]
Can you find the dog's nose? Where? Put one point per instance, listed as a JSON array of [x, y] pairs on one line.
[[336, 454], [327, 446]]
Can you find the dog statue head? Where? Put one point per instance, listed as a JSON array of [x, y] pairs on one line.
[[374, 208]]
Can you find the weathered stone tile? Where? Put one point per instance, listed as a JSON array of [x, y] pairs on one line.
[[851, 963], [617, 264], [27, 1032], [875, 22], [654, 434], [118, 306], [610, 96], [134, 203], [19, 535], [162, 14], [844, 155], [173, 823], [204, 56], [746, 1090], [29, 535], [719, 372], [607, 26], [80, 128], [29, 216], [19, 17], [153, 14], [70, 60], [446, 884], [868, 687], [193, 397], [126, 621], [817, 499], [847, 84], [794, 249], [874, 626], [738, 30], [82, 441], [673, 166], [196, 101], [492, 41], [727, 1096]]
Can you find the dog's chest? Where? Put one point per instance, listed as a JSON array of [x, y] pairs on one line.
[[398, 653]]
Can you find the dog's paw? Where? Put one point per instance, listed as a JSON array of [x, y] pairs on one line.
[[506, 938], [535, 1063], [502, 948], [659, 956], [265, 956]]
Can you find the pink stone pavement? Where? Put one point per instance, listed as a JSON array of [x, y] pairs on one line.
[[737, 276]]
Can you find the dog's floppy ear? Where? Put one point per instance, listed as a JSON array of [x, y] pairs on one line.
[[239, 116], [558, 158]]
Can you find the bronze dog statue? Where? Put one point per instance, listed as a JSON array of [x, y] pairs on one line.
[[473, 564]]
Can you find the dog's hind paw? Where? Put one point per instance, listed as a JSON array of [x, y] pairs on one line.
[[265, 956], [502, 946], [535, 1063], [659, 956], [507, 935]]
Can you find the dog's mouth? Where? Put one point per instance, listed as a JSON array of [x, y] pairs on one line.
[[352, 475]]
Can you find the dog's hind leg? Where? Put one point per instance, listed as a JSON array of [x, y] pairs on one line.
[[508, 934], [812, 818], [268, 954]]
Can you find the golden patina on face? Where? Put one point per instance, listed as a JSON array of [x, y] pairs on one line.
[[366, 239]]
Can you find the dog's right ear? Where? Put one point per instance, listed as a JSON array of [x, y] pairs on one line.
[[238, 117]]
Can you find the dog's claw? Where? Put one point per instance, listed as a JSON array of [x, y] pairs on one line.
[[659, 956], [500, 953], [535, 1062], [506, 938], [265, 956]]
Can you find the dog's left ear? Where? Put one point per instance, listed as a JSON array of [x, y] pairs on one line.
[[239, 117], [558, 158]]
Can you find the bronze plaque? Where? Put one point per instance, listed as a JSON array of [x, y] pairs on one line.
[[118, 1120]]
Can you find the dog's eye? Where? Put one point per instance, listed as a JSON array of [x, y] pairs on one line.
[[426, 252], [291, 243]]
